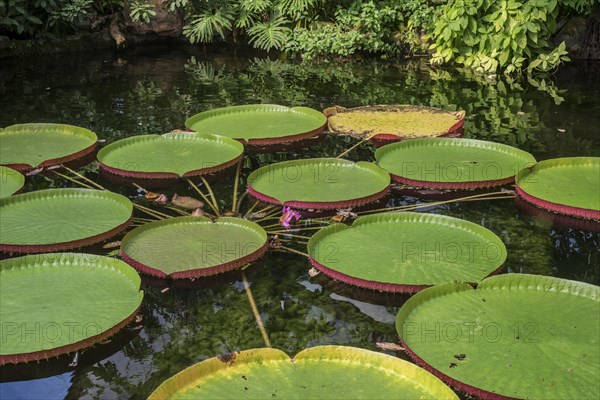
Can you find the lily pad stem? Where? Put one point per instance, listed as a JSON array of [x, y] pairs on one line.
[[206, 200], [259, 321]]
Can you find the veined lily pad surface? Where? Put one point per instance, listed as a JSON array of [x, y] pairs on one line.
[[514, 336], [323, 372], [11, 181], [406, 252], [27, 146], [564, 185], [190, 247], [319, 183], [171, 155], [61, 219], [449, 163], [53, 304], [260, 124], [394, 121]]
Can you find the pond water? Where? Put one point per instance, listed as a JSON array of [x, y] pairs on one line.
[[155, 90]]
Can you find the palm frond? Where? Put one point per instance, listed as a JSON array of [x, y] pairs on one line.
[[272, 34], [205, 26]]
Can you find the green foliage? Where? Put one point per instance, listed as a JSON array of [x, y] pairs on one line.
[[270, 34], [204, 26], [141, 11], [491, 36]]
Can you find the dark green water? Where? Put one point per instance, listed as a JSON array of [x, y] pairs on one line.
[[154, 91]]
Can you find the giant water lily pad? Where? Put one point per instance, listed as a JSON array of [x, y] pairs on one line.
[[514, 336], [568, 186], [53, 304], [406, 252], [190, 247], [319, 183], [260, 124], [27, 146], [61, 219], [323, 372], [171, 155], [390, 123], [446, 163], [11, 181]]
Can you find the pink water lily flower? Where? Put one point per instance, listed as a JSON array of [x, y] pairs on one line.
[[289, 217]]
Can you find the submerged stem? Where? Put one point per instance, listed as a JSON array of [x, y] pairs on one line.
[[91, 182], [235, 186], [72, 180], [292, 250], [342, 154], [206, 200], [212, 195], [257, 317]]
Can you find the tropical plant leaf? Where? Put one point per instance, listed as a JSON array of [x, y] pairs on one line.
[[26, 146], [65, 301], [62, 219], [566, 185], [11, 181], [320, 183], [406, 252], [515, 336], [182, 154], [259, 122], [204, 26], [272, 34], [189, 247], [322, 372], [447, 163]]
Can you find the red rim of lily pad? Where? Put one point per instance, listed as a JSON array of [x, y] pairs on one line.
[[315, 205], [559, 165], [190, 273], [456, 131], [559, 220], [519, 159], [266, 144], [58, 351], [59, 160]]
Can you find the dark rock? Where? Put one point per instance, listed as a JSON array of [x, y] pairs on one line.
[[164, 23]]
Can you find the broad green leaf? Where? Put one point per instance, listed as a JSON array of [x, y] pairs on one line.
[[448, 160], [572, 182], [60, 216], [322, 372], [185, 244], [392, 252], [11, 181], [178, 153], [257, 121], [41, 144], [319, 180], [516, 336], [62, 299]]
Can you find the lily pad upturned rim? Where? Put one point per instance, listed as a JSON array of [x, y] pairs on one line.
[[317, 205], [43, 248], [395, 217], [158, 175], [465, 185], [383, 138], [533, 282], [564, 209], [70, 259], [17, 179], [197, 272], [191, 376], [59, 160], [251, 142]]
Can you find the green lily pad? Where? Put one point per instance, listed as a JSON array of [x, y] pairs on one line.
[[260, 123], [26, 146], [60, 219], [406, 252], [53, 304], [11, 181], [319, 183], [448, 163], [564, 185], [323, 372], [515, 336], [168, 155], [190, 247]]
